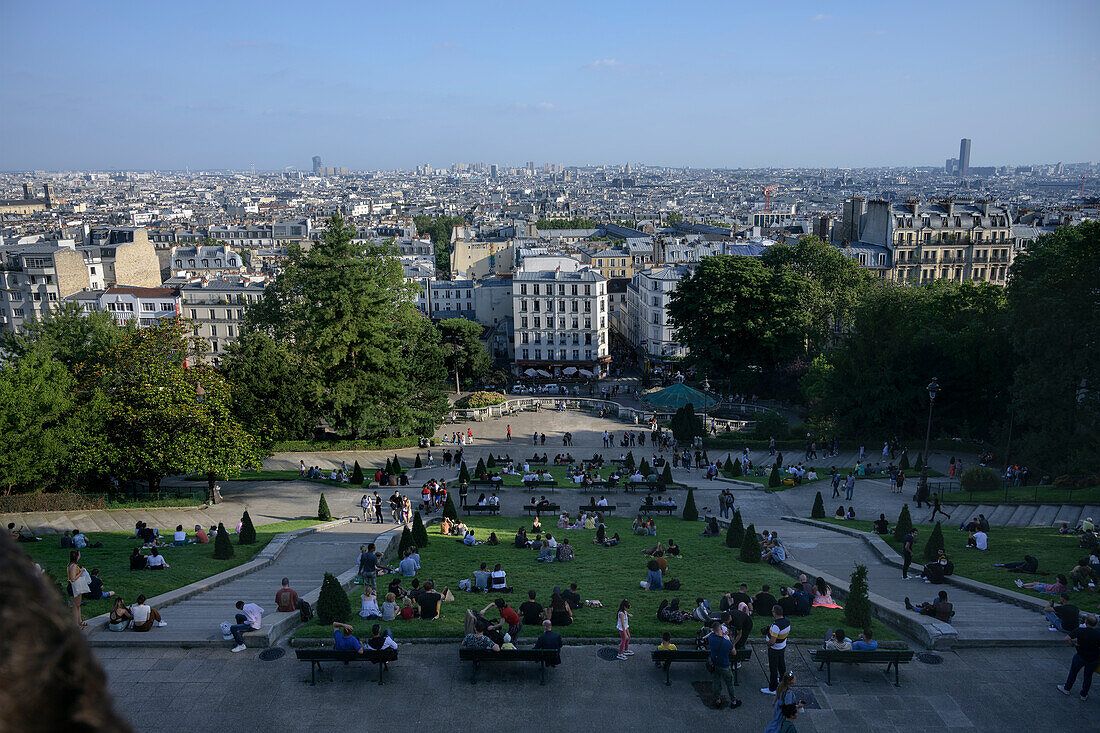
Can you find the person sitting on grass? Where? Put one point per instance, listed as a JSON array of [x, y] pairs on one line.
[[95, 585], [469, 540], [653, 576], [1030, 565], [977, 539], [201, 537], [823, 594], [430, 602], [865, 642], [839, 513], [559, 612], [344, 639], [156, 561], [498, 580], [639, 526], [1083, 575], [20, 535], [565, 551], [881, 525], [369, 604], [179, 537], [510, 622], [940, 608], [1059, 586], [137, 560]]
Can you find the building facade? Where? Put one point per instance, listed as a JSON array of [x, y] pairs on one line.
[[560, 322], [216, 308], [647, 324]]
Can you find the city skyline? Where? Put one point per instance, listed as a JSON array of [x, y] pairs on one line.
[[810, 85]]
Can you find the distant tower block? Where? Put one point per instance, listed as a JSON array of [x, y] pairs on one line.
[[317, 169]]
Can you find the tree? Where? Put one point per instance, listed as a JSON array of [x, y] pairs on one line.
[[396, 466], [462, 345], [818, 511], [673, 218], [773, 478], [691, 514], [449, 508], [464, 473], [418, 463], [935, 543], [492, 462], [979, 478], [406, 541], [857, 609], [750, 545], [735, 534], [728, 465], [332, 602], [269, 394], [918, 463], [628, 464], [247, 535], [357, 474], [223, 548], [1056, 400], [419, 531], [686, 425], [439, 229], [644, 468], [903, 464], [479, 470], [389, 467], [322, 509], [736, 468], [68, 335], [904, 525], [666, 475]]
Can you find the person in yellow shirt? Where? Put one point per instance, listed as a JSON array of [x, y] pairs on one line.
[[666, 645]]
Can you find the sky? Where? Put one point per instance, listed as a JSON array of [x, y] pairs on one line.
[[383, 85]]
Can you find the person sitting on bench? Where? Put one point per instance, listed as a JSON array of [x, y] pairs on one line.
[[865, 642], [344, 639], [837, 642], [939, 608], [478, 640]]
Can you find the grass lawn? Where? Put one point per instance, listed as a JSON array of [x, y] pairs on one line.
[[707, 568], [560, 474], [188, 564], [1056, 554]]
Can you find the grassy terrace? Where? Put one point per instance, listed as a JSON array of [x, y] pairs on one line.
[[1056, 554], [707, 568], [560, 474], [822, 475], [188, 564]]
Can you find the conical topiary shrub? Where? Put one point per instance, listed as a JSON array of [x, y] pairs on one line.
[[223, 548], [905, 523], [773, 478], [357, 475], [857, 609], [735, 534], [418, 463], [479, 470], [322, 509], [406, 542], [332, 602], [750, 545], [248, 532], [396, 465], [728, 465], [492, 462], [629, 464], [449, 508], [919, 463], [736, 468], [691, 514], [389, 466], [666, 475], [818, 511], [935, 543], [903, 464], [464, 473], [420, 532], [645, 469]]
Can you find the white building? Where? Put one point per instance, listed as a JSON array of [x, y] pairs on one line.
[[560, 322], [217, 308], [126, 303], [205, 261], [647, 323]]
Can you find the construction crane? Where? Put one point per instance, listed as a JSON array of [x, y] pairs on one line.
[[768, 196]]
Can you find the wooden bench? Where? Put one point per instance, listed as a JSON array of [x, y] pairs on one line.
[[598, 487], [540, 484], [640, 485], [470, 508], [609, 509], [651, 508], [316, 656], [880, 656], [546, 509], [668, 656], [481, 483], [486, 656]]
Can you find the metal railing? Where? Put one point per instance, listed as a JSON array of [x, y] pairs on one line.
[[1008, 493]]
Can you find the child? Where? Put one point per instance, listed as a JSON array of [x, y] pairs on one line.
[[666, 645]]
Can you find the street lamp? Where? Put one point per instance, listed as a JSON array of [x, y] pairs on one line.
[[922, 486]]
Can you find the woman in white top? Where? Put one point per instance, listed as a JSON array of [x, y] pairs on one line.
[[79, 584], [179, 537], [623, 625], [369, 608], [156, 561]]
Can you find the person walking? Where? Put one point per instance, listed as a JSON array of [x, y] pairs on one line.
[[777, 645], [509, 437], [364, 503], [907, 552], [784, 697], [936, 509], [836, 484], [622, 623], [719, 662], [1086, 641]]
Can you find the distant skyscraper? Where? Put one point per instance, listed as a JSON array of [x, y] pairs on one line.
[[531, 166], [964, 156], [951, 165], [493, 171], [317, 165]]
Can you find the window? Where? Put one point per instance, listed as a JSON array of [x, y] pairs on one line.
[[588, 290], [214, 330], [576, 354], [194, 315], [538, 353], [536, 288], [525, 356], [523, 338], [148, 306], [561, 289], [92, 270], [523, 290], [561, 354], [167, 306], [588, 339], [523, 322], [573, 289], [538, 322]]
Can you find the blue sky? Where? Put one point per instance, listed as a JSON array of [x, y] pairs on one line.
[[375, 85]]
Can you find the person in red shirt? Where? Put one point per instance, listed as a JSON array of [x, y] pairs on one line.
[[200, 535], [508, 617], [286, 598]]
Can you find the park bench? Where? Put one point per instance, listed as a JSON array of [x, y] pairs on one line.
[[879, 656], [487, 656], [537, 461], [316, 656], [700, 656], [598, 487], [609, 509], [656, 508], [544, 509], [642, 485], [541, 483], [487, 509]]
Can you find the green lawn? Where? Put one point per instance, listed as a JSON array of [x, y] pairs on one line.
[[707, 568], [287, 475], [188, 564], [1056, 554]]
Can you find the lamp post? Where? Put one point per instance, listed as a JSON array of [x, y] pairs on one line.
[[922, 485]]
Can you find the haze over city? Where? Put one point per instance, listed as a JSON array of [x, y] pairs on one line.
[[704, 84]]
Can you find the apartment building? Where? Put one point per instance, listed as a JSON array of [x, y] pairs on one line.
[[216, 308], [647, 324], [146, 306], [560, 322], [612, 261], [205, 261]]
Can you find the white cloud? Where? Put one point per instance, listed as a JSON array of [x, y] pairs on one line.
[[602, 64], [821, 16], [534, 106]]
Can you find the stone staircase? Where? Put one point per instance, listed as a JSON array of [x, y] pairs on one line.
[[1019, 515]]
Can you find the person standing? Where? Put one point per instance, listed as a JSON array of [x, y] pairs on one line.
[[777, 645], [509, 436], [849, 486], [720, 649], [622, 623], [784, 696], [907, 552], [377, 508], [463, 490], [364, 504], [836, 484], [79, 584], [1086, 641]]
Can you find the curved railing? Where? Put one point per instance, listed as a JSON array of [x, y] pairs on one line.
[[637, 415]]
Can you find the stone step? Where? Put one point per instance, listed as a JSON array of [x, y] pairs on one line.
[[1044, 515], [963, 513], [1001, 515], [1022, 516], [1069, 514]]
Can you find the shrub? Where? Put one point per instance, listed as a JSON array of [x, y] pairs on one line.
[[1073, 480], [770, 424], [818, 512], [419, 531], [49, 502], [357, 475], [773, 477], [223, 548], [905, 523], [322, 509], [628, 464], [406, 542], [449, 508], [735, 534], [935, 543], [691, 514], [736, 468], [479, 470], [397, 466], [463, 474], [857, 609], [917, 463], [389, 466], [481, 399], [418, 463], [332, 602], [980, 479], [686, 424], [750, 545], [492, 462], [903, 464], [645, 469], [247, 535], [666, 475], [310, 446], [728, 466]]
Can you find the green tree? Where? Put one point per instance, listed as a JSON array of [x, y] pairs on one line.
[[406, 541], [389, 466], [68, 335], [332, 602], [773, 478], [479, 470], [419, 531], [857, 609], [735, 534], [728, 465], [269, 394], [439, 229], [1056, 400], [736, 471], [750, 545], [903, 464], [396, 466], [979, 478], [934, 544], [574, 223], [247, 535], [818, 511], [357, 474], [673, 218], [666, 475], [691, 514], [686, 425], [464, 349], [464, 473], [418, 463], [904, 525], [322, 509], [449, 508], [492, 462], [223, 548], [628, 464], [645, 468]]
